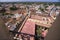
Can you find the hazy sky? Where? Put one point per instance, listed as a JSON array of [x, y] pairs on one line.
[[29, 0]]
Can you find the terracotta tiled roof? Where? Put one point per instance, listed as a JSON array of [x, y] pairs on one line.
[[29, 27], [40, 18]]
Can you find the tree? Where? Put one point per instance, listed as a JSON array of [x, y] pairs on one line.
[[41, 9], [13, 8]]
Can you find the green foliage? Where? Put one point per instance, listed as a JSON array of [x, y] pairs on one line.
[[39, 31], [13, 8], [57, 4], [3, 13], [41, 9], [46, 6], [12, 14]]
